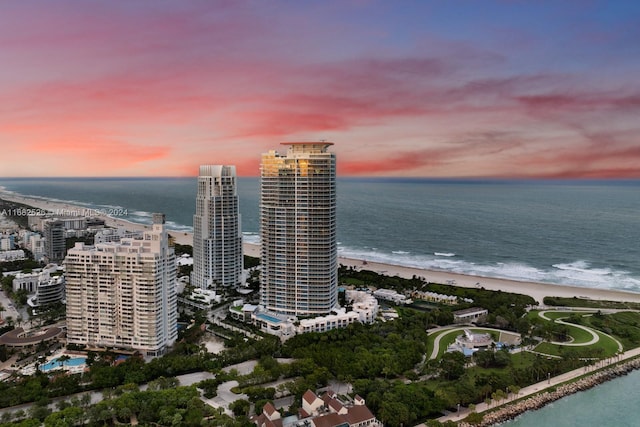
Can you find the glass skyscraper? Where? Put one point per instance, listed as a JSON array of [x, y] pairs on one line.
[[217, 235], [298, 230]]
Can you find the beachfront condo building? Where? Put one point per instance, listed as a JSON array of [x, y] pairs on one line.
[[298, 230], [217, 235], [54, 241], [123, 294]]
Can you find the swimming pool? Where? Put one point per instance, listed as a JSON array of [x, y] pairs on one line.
[[56, 363], [268, 318]]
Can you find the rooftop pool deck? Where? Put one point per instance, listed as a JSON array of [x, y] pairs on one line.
[[268, 318]]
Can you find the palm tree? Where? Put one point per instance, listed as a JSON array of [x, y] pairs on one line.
[[63, 359]]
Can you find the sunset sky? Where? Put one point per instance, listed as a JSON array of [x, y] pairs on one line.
[[547, 89]]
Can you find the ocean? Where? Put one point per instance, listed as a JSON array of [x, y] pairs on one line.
[[584, 233], [613, 403]]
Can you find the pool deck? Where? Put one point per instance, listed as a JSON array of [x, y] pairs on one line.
[[74, 369]]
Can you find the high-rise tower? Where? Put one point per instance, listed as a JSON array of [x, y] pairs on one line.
[[217, 236], [298, 230], [54, 241], [123, 294]]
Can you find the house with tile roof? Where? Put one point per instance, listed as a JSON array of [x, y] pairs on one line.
[[328, 410], [270, 417]]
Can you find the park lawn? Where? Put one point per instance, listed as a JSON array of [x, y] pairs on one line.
[[624, 326], [533, 314], [579, 335], [431, 339], [627, 317], [522, 359], [606, 343], [581, 302], [548, 348], [449, 336], [554, 315]]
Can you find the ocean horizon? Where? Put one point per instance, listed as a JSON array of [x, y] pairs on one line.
[[570, 232]]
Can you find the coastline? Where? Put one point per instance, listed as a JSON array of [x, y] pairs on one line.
[[534, 289], [545, 394]]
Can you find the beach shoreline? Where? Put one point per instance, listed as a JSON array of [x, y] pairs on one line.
[[536, 290]]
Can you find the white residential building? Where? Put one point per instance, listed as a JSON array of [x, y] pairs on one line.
[[470, 315], [298, 230], [123, 294], [337, 320], [37, 246], [115, 235], [364, 309], [391, 295], [363, 303], [217, 235], [13, 255], [7, 242], [49, 291], [29, 281]]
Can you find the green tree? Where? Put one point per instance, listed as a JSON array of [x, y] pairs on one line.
[[240, 407], [452, 365], [394, 414], [474, 418]]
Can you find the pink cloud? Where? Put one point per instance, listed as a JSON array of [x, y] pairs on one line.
[[170, 85]]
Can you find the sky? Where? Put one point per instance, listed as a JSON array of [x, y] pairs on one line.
[[496, 89]]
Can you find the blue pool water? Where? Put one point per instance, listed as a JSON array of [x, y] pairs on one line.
[[76, 361], [268, 318]]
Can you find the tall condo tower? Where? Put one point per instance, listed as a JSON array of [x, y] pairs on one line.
[[298, 230], [217, 236], [54, 242], [123, 294]]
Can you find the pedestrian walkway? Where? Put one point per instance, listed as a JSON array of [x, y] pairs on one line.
[[544, 385]]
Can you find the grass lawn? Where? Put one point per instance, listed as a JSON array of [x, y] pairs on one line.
[[548, 348], [607, 344], [522, 359], [554, 315], [624, 326], [580, 302], [579, 335], [449, 336], [352, 281]]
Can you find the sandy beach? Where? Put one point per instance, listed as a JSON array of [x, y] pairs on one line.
[[65, 209], [536, 290]]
